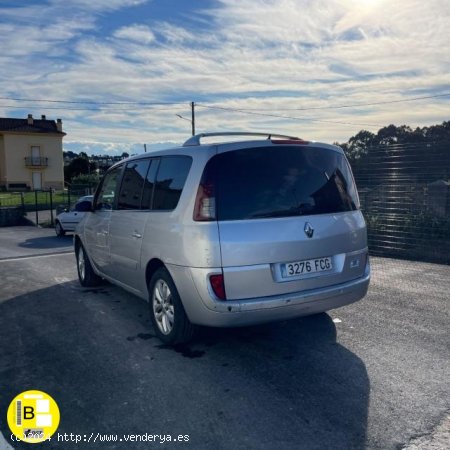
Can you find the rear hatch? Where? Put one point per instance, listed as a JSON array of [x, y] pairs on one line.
[[288, 218]]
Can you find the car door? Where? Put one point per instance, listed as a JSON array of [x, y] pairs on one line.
[[70, 219], [128, 221], [96, 225]]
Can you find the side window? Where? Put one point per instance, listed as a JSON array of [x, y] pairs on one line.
[[149, 184], [172, 174], [106, 196], [132, 184]]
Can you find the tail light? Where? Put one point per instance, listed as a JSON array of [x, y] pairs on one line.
[[205, 203], [218, 286]]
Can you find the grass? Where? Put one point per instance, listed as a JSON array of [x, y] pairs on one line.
[[29, 198]]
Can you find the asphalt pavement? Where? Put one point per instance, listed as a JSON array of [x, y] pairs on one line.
[[372, 375], [25, 241]]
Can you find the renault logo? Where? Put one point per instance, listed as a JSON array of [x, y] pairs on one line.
[[309, 230]]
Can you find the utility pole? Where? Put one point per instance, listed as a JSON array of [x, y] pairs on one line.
[[193, 118]]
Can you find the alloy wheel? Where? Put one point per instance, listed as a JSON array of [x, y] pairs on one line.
[[81, 263], [163, 307]]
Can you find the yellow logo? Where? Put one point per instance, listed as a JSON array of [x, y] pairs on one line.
[[33, 416]]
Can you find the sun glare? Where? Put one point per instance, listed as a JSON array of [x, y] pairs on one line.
[[369, 3]]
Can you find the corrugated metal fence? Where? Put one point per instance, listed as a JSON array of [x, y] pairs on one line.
[[405, 198]]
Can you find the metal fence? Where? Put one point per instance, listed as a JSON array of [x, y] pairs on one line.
[[42, 206], [404, 191], [405, 198]]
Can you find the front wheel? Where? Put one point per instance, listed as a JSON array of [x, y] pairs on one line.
[[167, 313], [59, 230], [86, 274]]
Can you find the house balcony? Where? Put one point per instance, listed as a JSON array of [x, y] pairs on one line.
[[36, 162]]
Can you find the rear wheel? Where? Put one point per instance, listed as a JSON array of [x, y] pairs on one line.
[[59, 230], [86, 274], [169, 319]]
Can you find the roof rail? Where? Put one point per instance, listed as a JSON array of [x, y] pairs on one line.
[[195, 140]]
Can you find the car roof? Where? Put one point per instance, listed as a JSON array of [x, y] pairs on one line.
[[85, 197], [193, 145]]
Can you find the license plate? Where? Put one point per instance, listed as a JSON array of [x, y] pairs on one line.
[[294, 269]]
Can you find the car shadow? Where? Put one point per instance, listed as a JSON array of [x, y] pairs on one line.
[[324, 387], [48, 242], [287, 385]]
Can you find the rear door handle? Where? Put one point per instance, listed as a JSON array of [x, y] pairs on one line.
[[137, 235]]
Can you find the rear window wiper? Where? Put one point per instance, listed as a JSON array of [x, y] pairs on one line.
[[301, 210], [283, 213]]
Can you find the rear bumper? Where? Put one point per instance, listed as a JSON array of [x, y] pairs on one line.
[[203, 309]]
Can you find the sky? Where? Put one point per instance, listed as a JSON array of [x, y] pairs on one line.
[[120, 73]]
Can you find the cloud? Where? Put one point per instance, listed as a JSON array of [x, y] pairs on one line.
[[34, 11], [113, 148], [308, 55], [98, 5], [138, 33], [175, 34]]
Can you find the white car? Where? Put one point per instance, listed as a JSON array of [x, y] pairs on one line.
[[68, 220]]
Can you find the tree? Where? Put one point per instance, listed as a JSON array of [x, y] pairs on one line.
[[69, 154], [437, 132], [357, 146], [398, 135], [91, 179], [77, 166]]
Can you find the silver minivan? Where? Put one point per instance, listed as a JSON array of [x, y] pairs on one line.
[[228, 234]]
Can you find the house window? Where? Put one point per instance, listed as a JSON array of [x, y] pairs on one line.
[[35, 156]]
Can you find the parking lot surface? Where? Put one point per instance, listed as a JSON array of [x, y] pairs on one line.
[[372, 375], [25, 241]]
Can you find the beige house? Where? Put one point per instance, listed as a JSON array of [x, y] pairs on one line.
[[31, 154]]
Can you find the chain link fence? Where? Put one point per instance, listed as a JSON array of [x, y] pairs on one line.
[[405, 198]]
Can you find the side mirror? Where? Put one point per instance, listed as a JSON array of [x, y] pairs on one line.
[[83, 206]]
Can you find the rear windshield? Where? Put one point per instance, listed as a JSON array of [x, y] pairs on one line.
[[281, 181]]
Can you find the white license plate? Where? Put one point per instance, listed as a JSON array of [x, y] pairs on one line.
[[294, 269]]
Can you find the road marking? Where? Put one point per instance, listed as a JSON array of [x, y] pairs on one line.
[[43, 255], [336, 320]]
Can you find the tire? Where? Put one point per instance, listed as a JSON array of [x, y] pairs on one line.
[[59, 230], [167, 313], [86, 274]]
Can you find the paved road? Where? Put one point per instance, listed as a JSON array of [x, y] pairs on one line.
[[370, 375], [24, 241]]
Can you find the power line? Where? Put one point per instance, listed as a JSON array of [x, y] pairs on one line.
[[196, 104], [354, 105], [136, 106], [89, 102], [242, 111], [93, 109]]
